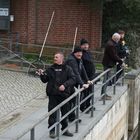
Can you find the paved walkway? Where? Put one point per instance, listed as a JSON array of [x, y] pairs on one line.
[[20, 94]]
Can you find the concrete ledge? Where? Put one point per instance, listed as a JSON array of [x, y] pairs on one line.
[[133, 81], [132, 74]]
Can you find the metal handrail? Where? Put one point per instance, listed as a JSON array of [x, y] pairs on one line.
[[57, 109]]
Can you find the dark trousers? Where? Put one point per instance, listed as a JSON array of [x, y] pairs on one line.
[[72, 104], [106, 77], [53, 102], [84, 94], [120, 73]]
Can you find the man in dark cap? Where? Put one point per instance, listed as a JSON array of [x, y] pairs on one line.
[[90, 70], [74, 60]]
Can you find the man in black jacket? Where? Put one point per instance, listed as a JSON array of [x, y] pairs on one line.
[[90, 70], [74, 60], [59, 78], [110, 59]]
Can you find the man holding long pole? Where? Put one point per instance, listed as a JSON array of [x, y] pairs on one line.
[[59, 78]]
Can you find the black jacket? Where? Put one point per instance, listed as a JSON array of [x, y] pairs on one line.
[[121, 51], [57, 75], [78, 69], [110, 55], [88, 64]]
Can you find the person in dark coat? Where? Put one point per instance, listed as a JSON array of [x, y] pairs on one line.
[[59, 78], [122, 51], [89, 65], [74, 60], [110, 59]]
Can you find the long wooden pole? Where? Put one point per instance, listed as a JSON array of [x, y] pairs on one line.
[[74, 41], [46, 35]]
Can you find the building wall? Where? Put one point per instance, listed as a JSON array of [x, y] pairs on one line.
[[32, 18], [20, 11]]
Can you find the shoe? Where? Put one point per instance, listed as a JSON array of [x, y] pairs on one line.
[[107, 97], [52, 135], [67, 133]]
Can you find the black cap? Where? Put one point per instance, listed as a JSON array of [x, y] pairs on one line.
[[83, 41], [77, 49]]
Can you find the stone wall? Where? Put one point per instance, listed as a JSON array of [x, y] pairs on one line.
[[114, 125], [133, 80]]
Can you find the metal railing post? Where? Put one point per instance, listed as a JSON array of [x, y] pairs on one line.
[[114, 89], [105, 85], [32, 134], [104, 96], [123, 74], [58, 125], [114, 80], [77, 111], [92, 102]]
